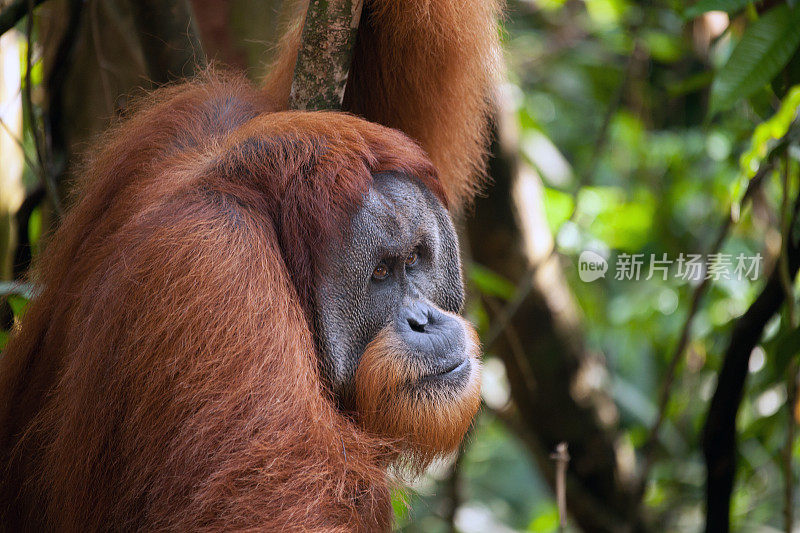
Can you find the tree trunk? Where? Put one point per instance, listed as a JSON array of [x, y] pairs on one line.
[[542, 346]]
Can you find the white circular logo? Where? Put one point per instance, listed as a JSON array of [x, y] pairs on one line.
[[591, 266]]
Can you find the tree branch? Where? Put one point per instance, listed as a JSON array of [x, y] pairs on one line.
[[325, 55], [719, 433], [648, 449], [41, 139], [13, 13], [56, 144]]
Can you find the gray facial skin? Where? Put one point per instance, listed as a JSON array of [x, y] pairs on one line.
[[398, 217]]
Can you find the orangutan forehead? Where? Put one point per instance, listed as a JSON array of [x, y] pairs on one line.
[[398, 209]]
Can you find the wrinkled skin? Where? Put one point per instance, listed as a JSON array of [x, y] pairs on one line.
[[398, 266]]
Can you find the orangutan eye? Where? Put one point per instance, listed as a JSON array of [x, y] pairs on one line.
[[412, 259], [380, 272]]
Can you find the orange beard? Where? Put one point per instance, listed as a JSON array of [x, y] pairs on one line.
[[422, 422]]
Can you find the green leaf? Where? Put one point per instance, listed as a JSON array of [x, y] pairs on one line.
[[786, 349], [400, 506], [621, 223], [35, 226], [663, 46], [18, 304], [764, 49], [704, 6], [607, 13], [545, 518], [558, 207], [772, 129], [491, 283], [762, 144]]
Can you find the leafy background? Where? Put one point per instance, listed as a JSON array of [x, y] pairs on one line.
[[645, 121], [637, 116]]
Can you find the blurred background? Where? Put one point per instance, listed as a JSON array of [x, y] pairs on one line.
[[622, 128]]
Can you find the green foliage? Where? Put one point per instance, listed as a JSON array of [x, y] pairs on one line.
[[558, 207], [663, 46], [17, 302], [400, 507], [35, 228], [37, 68], [545, 520], [661, 183], [776, 127], [606, 13], [490, 283], [704, 6], [765, 48], [621, 223]]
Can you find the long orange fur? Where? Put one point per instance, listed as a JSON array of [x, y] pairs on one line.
[[421, 424], [427, 68], [165, 376]]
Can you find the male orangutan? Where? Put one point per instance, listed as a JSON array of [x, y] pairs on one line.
[[249, 314]]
